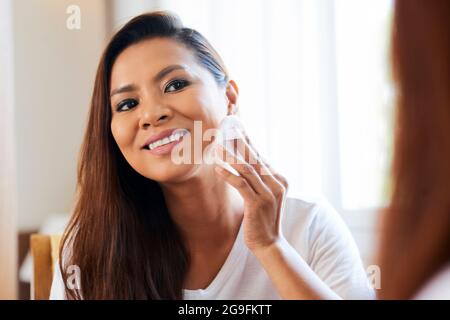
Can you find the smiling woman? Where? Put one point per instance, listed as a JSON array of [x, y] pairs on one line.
[[145, 227]]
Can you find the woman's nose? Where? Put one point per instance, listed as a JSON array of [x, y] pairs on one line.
[[154, 115]]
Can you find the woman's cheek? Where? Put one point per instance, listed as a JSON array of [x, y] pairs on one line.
[[121, 133]]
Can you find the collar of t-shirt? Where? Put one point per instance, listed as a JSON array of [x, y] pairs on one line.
[[234, 257]]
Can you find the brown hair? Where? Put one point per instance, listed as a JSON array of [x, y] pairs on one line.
[[415, 242], [121, 235]]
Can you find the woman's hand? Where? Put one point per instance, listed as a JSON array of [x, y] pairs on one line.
[[263, 191]]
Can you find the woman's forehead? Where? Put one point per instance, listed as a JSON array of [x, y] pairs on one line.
[[150, 56]]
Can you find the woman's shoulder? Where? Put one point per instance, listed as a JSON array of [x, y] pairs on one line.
[[57, 290], [322, 238], [311, 214], [438, 288], [304, 221]]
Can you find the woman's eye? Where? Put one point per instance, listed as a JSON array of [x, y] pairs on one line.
[[176, 85], [128, 103]]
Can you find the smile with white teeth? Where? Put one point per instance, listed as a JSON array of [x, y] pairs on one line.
[[176, 136]]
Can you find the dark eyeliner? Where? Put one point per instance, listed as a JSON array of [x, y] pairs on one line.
[[184, 83], [126, 102]]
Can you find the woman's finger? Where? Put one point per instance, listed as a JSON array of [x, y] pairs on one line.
[[245, 149], [237, 182], [244, 169], [262, 165]]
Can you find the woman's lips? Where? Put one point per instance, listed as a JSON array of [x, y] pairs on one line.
[[165, 149], [161, 135]]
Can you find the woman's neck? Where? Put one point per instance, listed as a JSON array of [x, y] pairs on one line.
[[207, 211]]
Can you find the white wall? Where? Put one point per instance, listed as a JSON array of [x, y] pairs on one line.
[[122, 10], [54, 72], [8, 242]]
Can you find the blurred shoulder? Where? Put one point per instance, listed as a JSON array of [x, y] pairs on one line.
[[438, 288]]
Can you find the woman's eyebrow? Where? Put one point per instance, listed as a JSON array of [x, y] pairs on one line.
[[124, 88], [161, 74]]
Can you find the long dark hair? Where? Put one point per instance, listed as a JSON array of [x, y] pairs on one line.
[[121, 235], [415, 241]]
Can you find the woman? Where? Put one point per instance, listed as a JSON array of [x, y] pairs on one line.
[[147, 228], [415, 243]]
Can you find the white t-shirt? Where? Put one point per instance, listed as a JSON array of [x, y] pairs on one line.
[[318, 234], [438, 288]]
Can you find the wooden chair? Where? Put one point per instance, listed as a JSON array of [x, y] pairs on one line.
[[45, 252]]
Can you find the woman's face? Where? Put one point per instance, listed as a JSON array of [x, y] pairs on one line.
[[157, 86]]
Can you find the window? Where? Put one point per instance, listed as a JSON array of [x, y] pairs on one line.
[[364, 100]]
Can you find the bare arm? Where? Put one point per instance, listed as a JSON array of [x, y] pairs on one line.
[[290, 274]]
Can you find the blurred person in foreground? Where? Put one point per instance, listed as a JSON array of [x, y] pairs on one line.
[[414, 251]]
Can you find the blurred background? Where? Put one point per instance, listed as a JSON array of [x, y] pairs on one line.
[[315, 97]]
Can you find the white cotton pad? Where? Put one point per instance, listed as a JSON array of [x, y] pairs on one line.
[[230, 128]]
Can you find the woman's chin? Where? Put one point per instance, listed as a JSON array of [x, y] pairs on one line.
[[173, 174]]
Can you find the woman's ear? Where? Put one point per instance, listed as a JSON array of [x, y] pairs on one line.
[[232, 92]]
